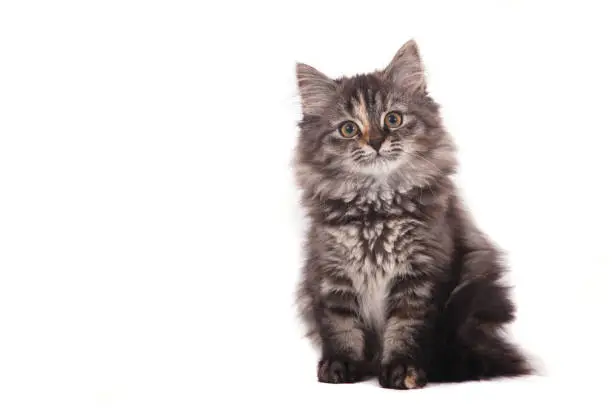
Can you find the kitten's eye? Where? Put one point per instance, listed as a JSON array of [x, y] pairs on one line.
[[349, 129], [393, 120]]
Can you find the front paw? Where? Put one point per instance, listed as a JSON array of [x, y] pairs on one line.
[[337, 370], [401, 375]]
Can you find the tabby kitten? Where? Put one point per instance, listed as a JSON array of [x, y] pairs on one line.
[[398, 281]]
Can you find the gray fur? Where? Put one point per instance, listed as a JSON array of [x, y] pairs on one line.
[[386, 220]]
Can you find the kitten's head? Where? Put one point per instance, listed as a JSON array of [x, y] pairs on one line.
[[379, 126]]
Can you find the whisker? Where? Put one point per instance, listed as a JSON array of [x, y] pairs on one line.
[[430, 163], [420, 156]]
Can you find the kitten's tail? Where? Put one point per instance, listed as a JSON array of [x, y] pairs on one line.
[[474, 346]]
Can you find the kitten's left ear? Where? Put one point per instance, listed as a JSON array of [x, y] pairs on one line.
[[316, 89], [406, 69]]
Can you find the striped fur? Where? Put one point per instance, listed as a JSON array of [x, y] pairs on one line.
[[398, 281]]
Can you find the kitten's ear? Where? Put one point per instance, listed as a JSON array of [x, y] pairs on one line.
[[316, 89], [406, 69]]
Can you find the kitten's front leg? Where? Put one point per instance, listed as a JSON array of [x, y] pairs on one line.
[[402, 365], [343, 339]]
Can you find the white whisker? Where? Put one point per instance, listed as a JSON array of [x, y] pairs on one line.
[[420, 156]]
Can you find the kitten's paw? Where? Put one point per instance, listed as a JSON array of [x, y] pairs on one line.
[[336, 370], [401, 375]]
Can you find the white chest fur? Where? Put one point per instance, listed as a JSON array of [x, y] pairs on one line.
[[371, 256], [372, 286]]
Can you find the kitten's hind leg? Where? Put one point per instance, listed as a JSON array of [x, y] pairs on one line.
[[475, 316]]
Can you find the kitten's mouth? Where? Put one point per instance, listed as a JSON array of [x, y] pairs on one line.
[[382, 156], [379, 164], [377, 157]]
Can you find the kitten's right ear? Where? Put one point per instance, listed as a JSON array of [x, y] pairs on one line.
[[316, 89]]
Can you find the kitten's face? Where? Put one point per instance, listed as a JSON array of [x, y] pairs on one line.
[[371, 125]]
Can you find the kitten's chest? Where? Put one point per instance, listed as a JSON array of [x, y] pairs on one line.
[[372, 255]]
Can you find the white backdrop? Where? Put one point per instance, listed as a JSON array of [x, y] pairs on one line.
[[149, 228]]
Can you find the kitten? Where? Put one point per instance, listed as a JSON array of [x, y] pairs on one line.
[[398, 281]]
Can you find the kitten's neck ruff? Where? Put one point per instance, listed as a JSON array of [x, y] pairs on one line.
[[416, 188], [367, 199]]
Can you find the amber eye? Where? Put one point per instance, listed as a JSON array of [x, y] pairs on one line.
[[349, 129], [393, 120]]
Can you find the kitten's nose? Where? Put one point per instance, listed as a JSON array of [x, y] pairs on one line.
[[376, 142]]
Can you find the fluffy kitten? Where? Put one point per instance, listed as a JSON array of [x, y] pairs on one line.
[[398, 281]]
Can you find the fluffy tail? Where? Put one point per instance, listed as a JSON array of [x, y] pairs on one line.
[[472, 343]]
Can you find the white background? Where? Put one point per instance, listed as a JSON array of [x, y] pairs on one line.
[[149, 228]]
